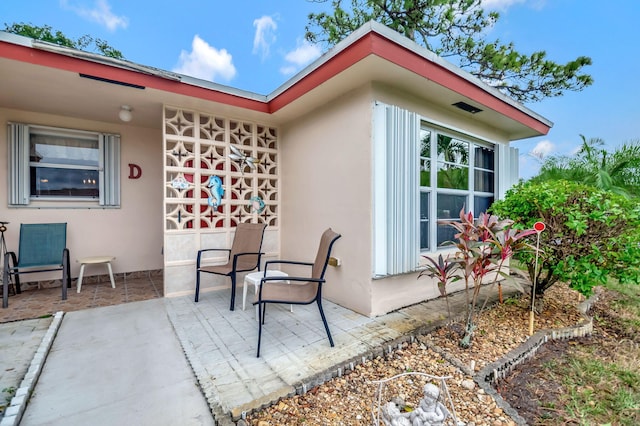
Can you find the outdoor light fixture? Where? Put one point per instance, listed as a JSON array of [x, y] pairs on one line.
[[125, 113]]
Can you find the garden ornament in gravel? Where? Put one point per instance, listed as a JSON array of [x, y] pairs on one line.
[[430, 410], [391, 415]]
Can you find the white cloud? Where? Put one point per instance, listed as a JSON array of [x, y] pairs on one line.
[[100, 13], [288, 69], [542, 149], [575, 150], [265, 35], [499, 4], [302, 55], [528, 166], [503, 5], [206, 62]]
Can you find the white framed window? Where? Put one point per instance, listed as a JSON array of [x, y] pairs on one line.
[[54, 164], [424, 173], [464, 177]]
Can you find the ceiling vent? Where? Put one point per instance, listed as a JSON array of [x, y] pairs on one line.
[[466, 107]]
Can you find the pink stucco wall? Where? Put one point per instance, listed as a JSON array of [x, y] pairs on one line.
[[132, 233]]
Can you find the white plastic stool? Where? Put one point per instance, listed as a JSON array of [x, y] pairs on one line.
[[94, 261], [254, 279]]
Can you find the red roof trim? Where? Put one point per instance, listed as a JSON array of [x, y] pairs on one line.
[[371, 43], [410, 60], [340, 62], [63, 62], [375, 44]]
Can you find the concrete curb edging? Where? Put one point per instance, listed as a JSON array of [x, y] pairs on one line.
[[15, 410], [500, 369]]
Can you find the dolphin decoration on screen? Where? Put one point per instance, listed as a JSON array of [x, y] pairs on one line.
[[217, 191]]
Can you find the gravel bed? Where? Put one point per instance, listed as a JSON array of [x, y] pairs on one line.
[[352, 398]]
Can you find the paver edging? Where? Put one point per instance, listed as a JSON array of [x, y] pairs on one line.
[[15, 410], [382, 350], [498, 370], [220, 417], [513, 358], [485, 378]]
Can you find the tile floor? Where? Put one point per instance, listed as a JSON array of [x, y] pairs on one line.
[[96, 291]]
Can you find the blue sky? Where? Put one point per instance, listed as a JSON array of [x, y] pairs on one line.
[[257, 45]]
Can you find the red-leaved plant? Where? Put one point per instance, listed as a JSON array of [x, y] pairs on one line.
[[483, 246], [444, 271]]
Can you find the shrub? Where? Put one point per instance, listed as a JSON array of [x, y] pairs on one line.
[[590, 233]]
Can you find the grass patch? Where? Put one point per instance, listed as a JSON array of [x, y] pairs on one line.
[[8, 394], [627, 306], [601, 380], [600, 392]]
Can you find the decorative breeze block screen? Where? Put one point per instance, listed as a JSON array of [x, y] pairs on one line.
[[218, 171]]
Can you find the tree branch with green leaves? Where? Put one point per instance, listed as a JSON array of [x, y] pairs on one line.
[[456, 29], [46, 33]]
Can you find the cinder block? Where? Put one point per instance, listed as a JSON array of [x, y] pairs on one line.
[[9, 420], [22, 391]]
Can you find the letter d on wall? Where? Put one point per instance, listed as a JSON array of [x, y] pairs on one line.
[[134, 171]]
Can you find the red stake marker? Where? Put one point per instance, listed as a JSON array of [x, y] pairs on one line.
[[539, 227]]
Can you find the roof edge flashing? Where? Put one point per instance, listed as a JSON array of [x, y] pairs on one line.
[[411, 45], [95, 57], [325, 57]]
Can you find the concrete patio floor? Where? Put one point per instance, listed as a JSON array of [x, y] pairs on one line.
[[220, 347]]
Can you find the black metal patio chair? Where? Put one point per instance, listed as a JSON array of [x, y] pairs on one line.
[[301, 290], [244, 255]]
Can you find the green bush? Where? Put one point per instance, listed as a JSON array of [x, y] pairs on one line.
[[590, 234]]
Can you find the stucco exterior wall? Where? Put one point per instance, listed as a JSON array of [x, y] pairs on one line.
[[131, 233], [326, 182], [388, 294], [462, 122], [314, 137]]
